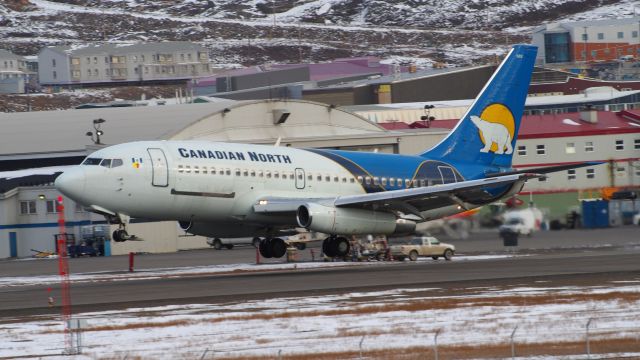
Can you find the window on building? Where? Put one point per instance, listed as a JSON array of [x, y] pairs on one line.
[[88, 72], [570, 148], [619, 144], [588, 146], [542, 179], [96, 72], [634, 34], [594, 53], [584, 37], [75, 73], [55, 75], [591, 173], [600, 36], [636, 144], [53, 62], [620, 35], [52, 207], [541, 150], [571, 174], [522, 150], [28, 207], [75, 61]]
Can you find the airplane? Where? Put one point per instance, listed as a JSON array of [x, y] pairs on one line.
[[217, 189]]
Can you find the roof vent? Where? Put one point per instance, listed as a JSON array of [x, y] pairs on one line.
[[589, 114]]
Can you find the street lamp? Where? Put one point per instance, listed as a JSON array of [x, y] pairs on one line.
[[96, 126]]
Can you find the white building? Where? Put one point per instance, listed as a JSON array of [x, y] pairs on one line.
[[13, 73], [109, 63]]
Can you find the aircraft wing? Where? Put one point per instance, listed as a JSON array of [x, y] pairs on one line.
[[550, 169], [410, 201]]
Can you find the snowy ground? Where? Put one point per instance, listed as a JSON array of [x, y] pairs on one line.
[[396, 319]]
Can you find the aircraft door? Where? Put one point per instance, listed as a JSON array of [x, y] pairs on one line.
[[160, 172], [300, 178], [447, 174]]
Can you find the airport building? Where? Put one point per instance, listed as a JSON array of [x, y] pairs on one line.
[[600, 40]]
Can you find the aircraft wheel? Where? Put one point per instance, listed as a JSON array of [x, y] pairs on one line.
[[265, 248], [341, 246], [120, 235], [327, 247], [278, 248]]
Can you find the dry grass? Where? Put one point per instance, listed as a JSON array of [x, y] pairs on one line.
[[409, 306], [470, 352]]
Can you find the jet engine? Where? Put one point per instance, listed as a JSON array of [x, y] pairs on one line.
[[347, 221]]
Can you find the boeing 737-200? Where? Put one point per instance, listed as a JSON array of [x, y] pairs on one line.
[[237, 190]]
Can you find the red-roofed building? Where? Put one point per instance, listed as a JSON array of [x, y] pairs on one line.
[[555, 139]]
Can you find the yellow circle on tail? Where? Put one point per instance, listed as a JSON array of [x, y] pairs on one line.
[[498, 113]]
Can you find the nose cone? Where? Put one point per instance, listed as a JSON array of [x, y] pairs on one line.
[[72, 183]]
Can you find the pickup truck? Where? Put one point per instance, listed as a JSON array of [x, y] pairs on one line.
[[423, 246]]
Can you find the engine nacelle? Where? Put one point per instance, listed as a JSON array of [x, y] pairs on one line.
[[345, 221]]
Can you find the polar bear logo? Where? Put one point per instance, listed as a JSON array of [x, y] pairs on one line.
[[493, 133]]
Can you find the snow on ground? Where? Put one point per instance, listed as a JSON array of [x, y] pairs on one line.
[[392, 319], [146, 274]]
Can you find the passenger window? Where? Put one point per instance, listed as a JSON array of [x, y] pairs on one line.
[[327, 178], [376, 181], [196, 170], [204, 170], [291, 176], [407, 183], [392, 182], [116, 163], [106, 163], [245, 172], [319, 177], [268, 174], [91, 161], [260, 174], [276, 175], [344, 179], [300, 177], [359, 179], [187, 169], [213, 171], [180, 169], [384, 181], [253, 173], [367, 180], [228, 171], [352, 180], [336, 179], [423, 183], [309, 177], [414, 183], [238, 172]]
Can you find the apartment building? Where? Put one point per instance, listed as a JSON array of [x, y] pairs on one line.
[[13, 73], [115, 63]]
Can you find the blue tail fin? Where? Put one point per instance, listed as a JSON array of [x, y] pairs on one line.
[[486, 134]]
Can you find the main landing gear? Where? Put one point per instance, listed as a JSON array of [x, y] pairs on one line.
[[335, 246], [272, 248]]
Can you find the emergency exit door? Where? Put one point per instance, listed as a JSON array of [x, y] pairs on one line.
[[300, 179], [160, 173]]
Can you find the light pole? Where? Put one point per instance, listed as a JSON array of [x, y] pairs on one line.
[[96, 126]]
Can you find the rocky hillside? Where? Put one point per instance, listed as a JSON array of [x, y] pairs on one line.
[[258, 31]]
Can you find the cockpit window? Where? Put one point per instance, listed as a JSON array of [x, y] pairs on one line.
[[106, 163], [116, 163], [91, 161]]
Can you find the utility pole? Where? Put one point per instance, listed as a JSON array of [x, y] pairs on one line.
[[63, 269]]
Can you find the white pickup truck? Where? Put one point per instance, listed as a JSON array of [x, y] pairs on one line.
[[423, 246]]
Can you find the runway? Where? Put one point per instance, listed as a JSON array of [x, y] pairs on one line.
[[216, 288]]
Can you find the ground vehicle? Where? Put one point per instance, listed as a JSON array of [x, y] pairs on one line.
[[636, 219], [423, 246], [229, 243], [522, 222]]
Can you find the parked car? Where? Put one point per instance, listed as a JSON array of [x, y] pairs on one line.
[[229, 243], [423, 246]]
